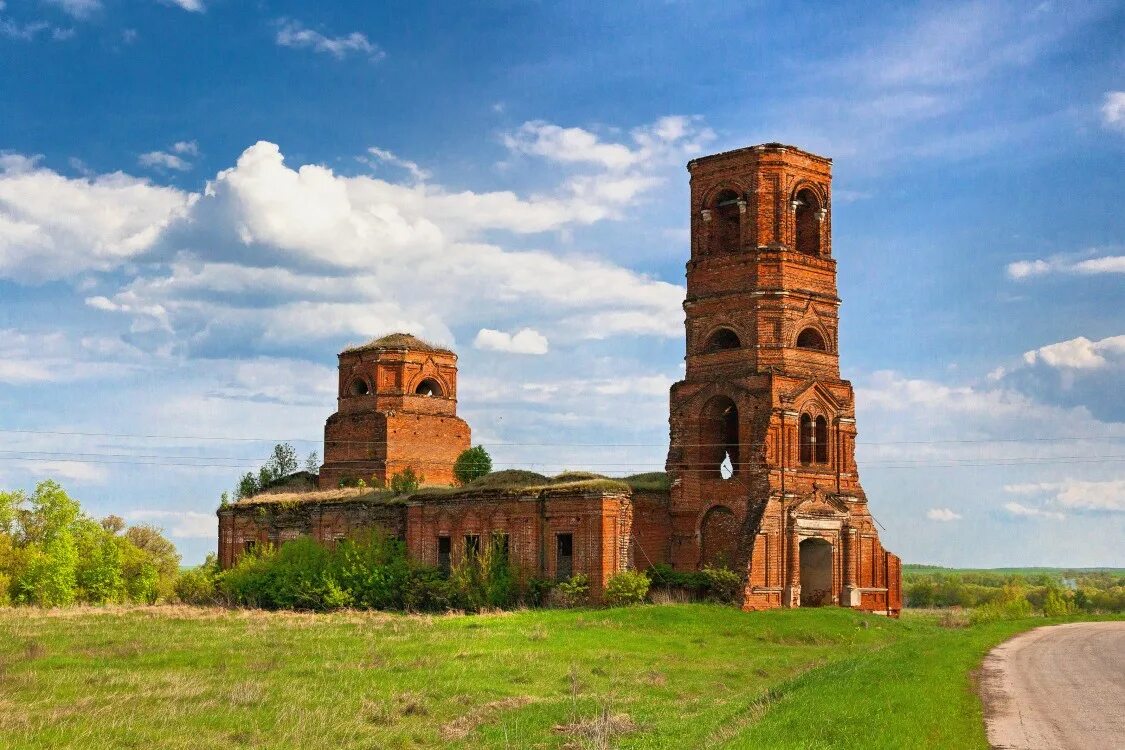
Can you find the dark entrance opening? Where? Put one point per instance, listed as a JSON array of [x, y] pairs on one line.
[[564, 556], [816, 572], [444, 552]]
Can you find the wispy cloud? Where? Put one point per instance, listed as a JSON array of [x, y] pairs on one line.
[[378, 156], [77, 8], [193, 6], [294, 34], [942, 514], [183, 524], [173, 158], [1079, 495], [1019, 509], [1113, 110], [1021, 270]]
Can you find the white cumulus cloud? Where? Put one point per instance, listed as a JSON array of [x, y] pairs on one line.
[[1078, 353], [523, 341], [53, 226], [942, 514]]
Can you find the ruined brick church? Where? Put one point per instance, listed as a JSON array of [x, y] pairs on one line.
[[761, 471]]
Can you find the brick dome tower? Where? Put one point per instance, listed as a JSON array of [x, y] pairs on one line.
[[397, 408], [762, 427]]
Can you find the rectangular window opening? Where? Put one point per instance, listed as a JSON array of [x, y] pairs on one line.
[[500, 545], [444, 551], [472, 545], [564, 556]]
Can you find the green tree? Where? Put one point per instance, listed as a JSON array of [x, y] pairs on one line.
[[247, 486], [312, 463], [406, 481], [473, 463], [283, 461]]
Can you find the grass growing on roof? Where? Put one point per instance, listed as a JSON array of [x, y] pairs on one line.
[[647, 677]]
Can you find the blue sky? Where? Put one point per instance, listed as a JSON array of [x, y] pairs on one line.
[[202, 201]]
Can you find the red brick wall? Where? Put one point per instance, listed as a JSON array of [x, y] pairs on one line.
[[390, 428], [326, 521]]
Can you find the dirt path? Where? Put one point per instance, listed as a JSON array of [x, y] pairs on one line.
[[1057, 688]]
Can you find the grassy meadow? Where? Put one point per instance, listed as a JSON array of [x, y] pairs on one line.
[[671, 676]]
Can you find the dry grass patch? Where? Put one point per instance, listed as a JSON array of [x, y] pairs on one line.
[[463, 726]]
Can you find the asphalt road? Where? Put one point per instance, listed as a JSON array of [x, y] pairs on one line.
[[1057, 688]]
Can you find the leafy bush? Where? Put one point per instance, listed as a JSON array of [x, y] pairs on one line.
[[199, 585], [626, 589], [572, 592], [710, 584], [487, 579], [723, 585], [406, 482], [473, 463]]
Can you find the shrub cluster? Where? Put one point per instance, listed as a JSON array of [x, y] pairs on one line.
[[369, 572], [711, 584], [52, 554]]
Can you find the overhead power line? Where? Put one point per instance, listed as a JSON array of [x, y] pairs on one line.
[[505, 443]]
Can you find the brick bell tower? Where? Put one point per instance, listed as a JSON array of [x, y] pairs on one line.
[[762, 427], [397, 408]]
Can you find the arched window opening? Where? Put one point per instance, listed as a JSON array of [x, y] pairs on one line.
[[810, 338], [807, 439], [359, 387], [429, 388], [820, 437], [808, 222], [719, 438], [724, 338], [726, 219], [816, 572], [718, 537]]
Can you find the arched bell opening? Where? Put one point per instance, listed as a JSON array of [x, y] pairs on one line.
[[429, 388], [719, 438]]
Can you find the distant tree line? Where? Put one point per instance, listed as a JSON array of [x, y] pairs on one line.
[[52, 554], [1051, 593]]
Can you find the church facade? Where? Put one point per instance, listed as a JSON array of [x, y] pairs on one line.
[[761, 471]]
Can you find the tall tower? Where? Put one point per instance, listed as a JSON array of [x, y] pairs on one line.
[[397, 409], [762, 427]]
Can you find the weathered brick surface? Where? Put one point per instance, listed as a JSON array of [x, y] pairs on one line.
[[762, 319], [397, 409], [761, 268], [271, 523]]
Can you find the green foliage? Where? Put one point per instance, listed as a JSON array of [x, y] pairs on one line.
[[199, 585], [626, 588], [1049, 591], [52, 555], [573, 592], [473, 463], [248, 486], [723, 585], [720, 585], [486, 579], [312, 463], [406, 482]]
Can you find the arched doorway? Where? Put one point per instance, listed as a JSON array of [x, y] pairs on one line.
[[718, 537], [816, 572]]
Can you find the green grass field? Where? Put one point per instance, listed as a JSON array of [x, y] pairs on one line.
[[677, 676]]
